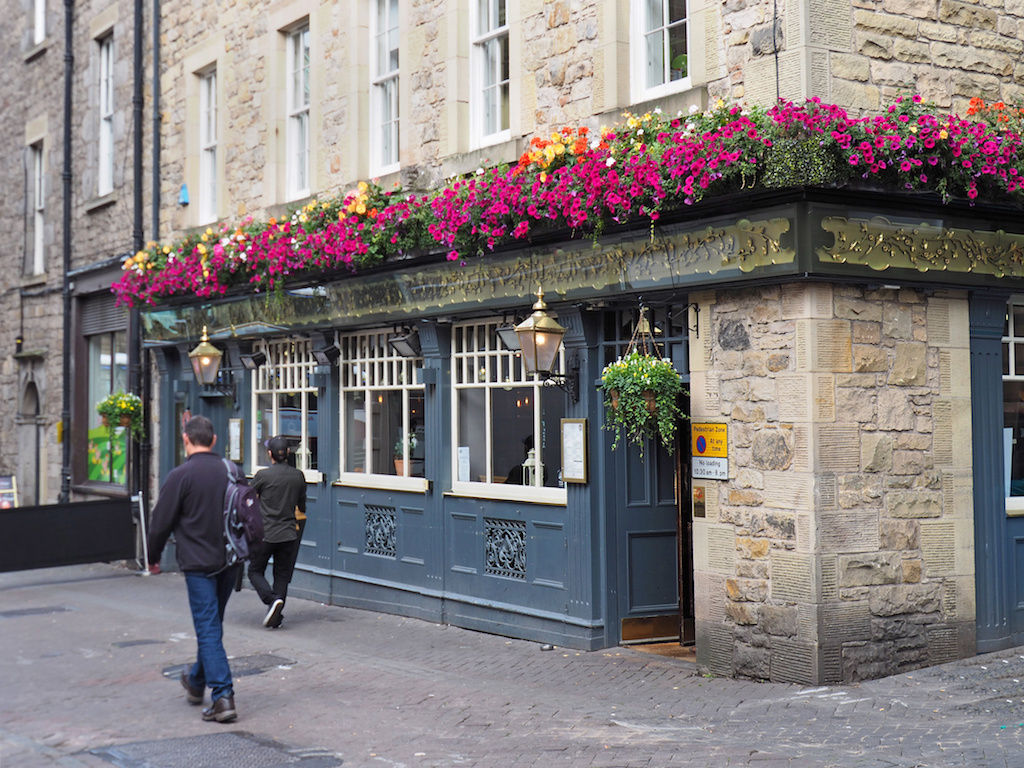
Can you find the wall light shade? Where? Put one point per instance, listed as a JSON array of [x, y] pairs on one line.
[[406, 344], [206, 360], [540, 337], [327, 355], [509, 337], [253, 361]]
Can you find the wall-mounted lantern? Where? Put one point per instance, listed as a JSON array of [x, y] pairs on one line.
[[540, 338]]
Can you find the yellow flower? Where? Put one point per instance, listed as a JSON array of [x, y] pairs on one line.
[[361, 209], [943, 134], [362, 186]]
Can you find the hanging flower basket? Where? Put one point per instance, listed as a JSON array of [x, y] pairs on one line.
[[123, 409], [641, 395], [642, 391]]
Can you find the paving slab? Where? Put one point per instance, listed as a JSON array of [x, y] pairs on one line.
[[88, 656]]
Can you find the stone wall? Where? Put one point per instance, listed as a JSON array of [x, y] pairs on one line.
[[841, 547], [31, 305], [862, 54]]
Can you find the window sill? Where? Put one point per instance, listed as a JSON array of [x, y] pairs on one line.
[[382, 482], [502, 492], [38, 49], [98, 203], [95, 488], [1015, 506], [30, 281], [313, 476]]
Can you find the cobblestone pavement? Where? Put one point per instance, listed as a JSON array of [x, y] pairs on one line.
[[88, 656]]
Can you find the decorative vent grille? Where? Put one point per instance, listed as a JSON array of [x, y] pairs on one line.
[[505, 541], [380, 531]]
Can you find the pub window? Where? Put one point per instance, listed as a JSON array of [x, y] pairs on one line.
[[505, 423], [1013, 407], [284, 401], [108, 372], [381, 410]]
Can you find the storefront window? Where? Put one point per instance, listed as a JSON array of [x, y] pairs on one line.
[[107, 372], [285, 403], [381, 409], [1013, 406], [506, 422]]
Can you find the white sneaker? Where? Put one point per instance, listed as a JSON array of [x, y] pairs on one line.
[[274, 613]]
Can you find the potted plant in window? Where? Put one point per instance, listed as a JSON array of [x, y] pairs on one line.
[[411, 442], [122, 409]]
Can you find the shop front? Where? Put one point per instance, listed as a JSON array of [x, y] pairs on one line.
[[830, 342]]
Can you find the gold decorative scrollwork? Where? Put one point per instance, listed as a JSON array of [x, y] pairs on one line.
[[882, 243]]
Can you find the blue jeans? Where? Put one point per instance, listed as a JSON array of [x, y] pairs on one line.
[[208, 597]]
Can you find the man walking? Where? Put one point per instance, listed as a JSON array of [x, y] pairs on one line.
[[282, 491], [191, 505]]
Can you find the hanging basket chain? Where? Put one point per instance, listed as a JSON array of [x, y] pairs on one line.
[[643, 340]]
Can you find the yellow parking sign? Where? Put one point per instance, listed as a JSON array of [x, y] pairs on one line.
[[709, 448]]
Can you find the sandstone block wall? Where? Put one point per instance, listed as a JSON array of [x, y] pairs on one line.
[[841, 547]]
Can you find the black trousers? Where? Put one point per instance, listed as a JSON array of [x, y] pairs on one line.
[[284, 554]]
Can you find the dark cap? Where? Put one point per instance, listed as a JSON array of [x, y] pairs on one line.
[[278, 447]]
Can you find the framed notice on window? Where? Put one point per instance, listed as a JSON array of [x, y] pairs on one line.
[[574, 450]]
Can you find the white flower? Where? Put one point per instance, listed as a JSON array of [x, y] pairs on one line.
[[657, 110], [610, 162], [479, 171], [694, 109]]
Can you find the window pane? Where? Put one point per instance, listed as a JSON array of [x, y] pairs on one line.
[[676, 10], [677, 51], [355, 432], [551, 414], [386, 430], [1018, 358], [264, 426], [472, 437], [289, 421], [654, 16], [655, 58], [312, 432], [119, 380], [1006, 359], [416, 430], [512, 433], [1018, 321], [1013, 436]]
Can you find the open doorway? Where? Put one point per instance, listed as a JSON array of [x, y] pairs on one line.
[[649, 497]]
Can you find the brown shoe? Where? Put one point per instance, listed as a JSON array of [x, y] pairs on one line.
[[222, 710], [192, 693]]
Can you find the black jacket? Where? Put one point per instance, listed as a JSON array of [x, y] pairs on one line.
[[191, 505], [282, 488]]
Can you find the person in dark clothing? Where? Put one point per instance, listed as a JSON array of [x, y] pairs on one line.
[[191, 505], [282, 492]]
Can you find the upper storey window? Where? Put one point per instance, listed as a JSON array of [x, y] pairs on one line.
[[297, 148], [660, 46], [384, 117], [490, 72]]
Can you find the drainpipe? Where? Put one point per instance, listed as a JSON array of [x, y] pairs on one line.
[[146, 449], [65, 413], [134, 320]]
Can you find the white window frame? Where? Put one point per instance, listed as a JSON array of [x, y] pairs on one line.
[[105, 149], [38, 209], [477, 362], [485, 44], [297, 95], [208, 146], [638, 49], [368, 366], [287, 370], [384, 105], [38, 21]]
